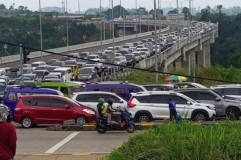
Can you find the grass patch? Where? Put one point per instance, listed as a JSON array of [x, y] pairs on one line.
[[231, 74], [183, 141]]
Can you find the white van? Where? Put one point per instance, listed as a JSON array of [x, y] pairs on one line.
[[66, 72]]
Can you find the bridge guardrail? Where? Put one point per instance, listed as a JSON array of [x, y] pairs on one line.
[[170, 51]]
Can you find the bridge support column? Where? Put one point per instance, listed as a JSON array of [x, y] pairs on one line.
[[206, 55]]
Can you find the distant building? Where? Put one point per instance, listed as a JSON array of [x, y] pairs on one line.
[[180, 16]]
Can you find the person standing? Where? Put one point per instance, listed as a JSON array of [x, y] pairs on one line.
[[172, 109], [8, 137]]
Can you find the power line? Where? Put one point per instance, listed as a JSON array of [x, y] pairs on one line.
[[116, 65]]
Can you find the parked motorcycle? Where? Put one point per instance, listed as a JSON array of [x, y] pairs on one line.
[[102, 125]]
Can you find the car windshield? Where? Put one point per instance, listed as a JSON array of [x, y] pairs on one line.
[[144, 49], [2, 87], [81, 60], [57, 63], [62, 72], [91, 62], [128, 57], [29, 77], [35, 65], [86, 71], [12, 75], [69, 62], [26, 71], [117, 59], [40, 68], [91, 57], [39, 73]]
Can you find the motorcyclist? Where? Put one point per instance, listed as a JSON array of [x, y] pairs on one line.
[[103, 110]]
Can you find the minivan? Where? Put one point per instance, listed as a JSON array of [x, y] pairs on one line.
[[124, 90], [12, 94]]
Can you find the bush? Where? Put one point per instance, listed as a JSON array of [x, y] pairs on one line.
[[183, 141]]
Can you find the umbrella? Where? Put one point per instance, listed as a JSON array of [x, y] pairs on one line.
[[175, 78]]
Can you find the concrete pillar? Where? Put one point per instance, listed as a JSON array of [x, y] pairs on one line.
[[206, 55]]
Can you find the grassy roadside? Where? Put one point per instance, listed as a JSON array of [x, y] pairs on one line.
[[217, 72], [183, 142]]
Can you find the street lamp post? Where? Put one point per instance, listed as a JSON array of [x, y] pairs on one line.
[[136, 18], [159, 10], [101, 28], [113, 27], [40, 30], [78, 6], [67, 24], [156, 61]]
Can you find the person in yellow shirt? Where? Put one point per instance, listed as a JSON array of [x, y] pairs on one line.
[[103, 110]]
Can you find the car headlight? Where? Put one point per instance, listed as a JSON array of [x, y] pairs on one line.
[[89, 111], [210, 107]]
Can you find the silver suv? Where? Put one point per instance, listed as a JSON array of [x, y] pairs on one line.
[[149, 106], [224, 106], [231, 90]]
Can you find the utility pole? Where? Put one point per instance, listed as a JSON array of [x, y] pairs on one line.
[[136, 19], [21, 59], [156, 61], [40, 30], [159, 9], [177, 6], [67, 24], [78, 6], [101, 28], [113, 27]]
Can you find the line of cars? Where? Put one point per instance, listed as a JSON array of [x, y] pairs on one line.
[[195, 102]]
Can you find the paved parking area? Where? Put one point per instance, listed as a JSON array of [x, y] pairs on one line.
[[38, 141]]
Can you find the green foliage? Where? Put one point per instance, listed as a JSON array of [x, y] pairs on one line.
[[227, 47], [22, 26], [230, 74], [184, 141]]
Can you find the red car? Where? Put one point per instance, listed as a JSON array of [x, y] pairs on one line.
[[50, 109]]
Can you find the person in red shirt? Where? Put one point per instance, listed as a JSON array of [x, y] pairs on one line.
[[8, 137]]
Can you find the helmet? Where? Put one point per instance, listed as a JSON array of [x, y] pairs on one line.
[[101, 101], [110, 101], [3, 113]]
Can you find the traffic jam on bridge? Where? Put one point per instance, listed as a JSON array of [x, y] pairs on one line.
[[69, 88]]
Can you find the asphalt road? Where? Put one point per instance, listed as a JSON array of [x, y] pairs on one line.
[[90, 49], [39, 141]]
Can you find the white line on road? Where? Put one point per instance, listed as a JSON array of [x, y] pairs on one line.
[[63, 142]]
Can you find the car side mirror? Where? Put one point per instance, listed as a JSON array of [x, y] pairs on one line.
[[189, 103], [121, 101], [218, 99]]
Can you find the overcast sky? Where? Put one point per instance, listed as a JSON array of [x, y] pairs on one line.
[[85, 4]]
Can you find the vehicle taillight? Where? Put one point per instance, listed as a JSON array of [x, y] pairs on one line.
[[17, 109], [131, 104]]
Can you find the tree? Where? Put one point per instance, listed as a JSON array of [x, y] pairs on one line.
[[205, 14], [11, 7], [158, 11], [219, 7], [21, 8], [186, 12], [2, 7], [174, 11]]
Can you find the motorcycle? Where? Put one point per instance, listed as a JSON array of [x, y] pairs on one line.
[[102, 125]]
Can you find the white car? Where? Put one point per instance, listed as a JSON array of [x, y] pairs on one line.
[[54, 75], [90, 99], [148, 106], [121, 60], [98, 63], [38, 63], [146, 51], [66, 72]]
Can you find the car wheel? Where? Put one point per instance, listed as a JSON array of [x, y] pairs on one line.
[[233, 113], [200, 116], [143, 118], [27, 122], [80, 120]]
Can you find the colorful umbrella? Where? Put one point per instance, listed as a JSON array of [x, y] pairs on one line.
[[175, 78]]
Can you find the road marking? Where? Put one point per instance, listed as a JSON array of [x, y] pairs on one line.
[[63, 142]]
